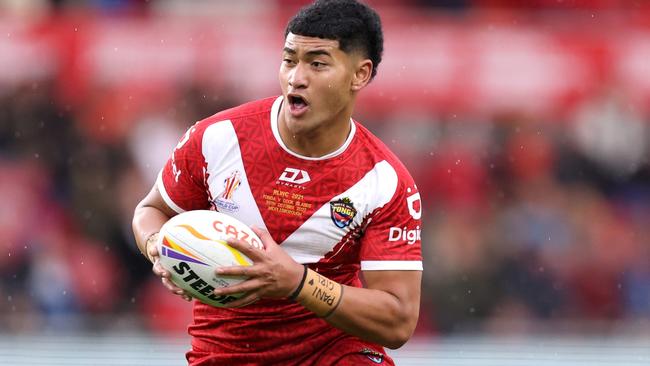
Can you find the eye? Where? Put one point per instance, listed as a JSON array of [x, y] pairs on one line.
[[318, 64], [288, 61]]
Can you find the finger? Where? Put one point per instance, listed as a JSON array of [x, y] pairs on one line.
[[247, 249], [184, 294], [243, 301], [171, 286], [241, 271], [176, 290], [159, 270], [152, 249], [267, 239], [246, 286]]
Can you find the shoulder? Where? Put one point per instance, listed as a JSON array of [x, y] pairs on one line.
[[257, 107], [378, 151]]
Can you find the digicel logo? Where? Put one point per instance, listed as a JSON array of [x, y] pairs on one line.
[[414, 204], [404, 234]]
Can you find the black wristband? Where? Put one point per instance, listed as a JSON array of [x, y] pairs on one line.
[[302, 282]]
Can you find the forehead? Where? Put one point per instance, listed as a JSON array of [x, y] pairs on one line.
[[300, 43]]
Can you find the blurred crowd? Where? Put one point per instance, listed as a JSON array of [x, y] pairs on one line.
[[534, 224], [144, 5], [71, 180], [530, 221], [526, 220]]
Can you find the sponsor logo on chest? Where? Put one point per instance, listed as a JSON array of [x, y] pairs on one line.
[[293, 177]]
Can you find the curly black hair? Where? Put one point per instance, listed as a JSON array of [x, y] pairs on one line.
[[355, 25]]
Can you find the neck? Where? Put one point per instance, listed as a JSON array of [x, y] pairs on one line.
[[324, 139]]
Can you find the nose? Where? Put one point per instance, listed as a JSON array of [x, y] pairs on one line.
[[298, 77]]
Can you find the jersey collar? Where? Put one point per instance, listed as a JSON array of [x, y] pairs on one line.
[[275, 110]]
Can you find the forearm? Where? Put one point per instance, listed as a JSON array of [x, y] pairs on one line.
[[147, 220], [372, 314]]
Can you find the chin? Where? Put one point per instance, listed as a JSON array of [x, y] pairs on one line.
[[290, 117], [299, 125]]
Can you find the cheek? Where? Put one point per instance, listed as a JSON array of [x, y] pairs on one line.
[[337, 91], [283, 80]]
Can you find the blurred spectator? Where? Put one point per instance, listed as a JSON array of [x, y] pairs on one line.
[[610, 132]]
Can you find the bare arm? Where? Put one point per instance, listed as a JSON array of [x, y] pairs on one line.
[[384, 312], [149, 216]]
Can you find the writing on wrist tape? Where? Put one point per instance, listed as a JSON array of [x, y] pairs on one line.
[[320, 294]]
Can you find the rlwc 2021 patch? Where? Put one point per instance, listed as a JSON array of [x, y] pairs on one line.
[[224, 201], [342, 212]]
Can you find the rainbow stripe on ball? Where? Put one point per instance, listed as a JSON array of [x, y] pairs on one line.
[[172, 250]]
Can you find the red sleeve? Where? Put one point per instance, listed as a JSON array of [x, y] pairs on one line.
[[182, 181], [392, 240]]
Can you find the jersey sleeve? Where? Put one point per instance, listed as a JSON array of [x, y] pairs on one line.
[[182, 181], [392, 239]]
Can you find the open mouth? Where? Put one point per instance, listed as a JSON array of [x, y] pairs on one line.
[[297, 104]]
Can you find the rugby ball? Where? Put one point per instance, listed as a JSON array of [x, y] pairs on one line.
[[193, 244]]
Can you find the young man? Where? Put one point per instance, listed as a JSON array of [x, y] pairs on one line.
[[338, 214]]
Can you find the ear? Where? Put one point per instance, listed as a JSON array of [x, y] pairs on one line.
[[362, 74]]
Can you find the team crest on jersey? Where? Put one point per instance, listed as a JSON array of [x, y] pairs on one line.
[[224, 201], [374, 356], [343, 212]]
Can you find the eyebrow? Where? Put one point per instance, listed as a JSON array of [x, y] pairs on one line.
[[309, 53]]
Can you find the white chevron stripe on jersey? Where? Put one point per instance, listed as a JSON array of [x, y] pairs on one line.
[[223, 157], [318, 235]]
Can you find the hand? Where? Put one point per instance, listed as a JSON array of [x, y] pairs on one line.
[[154, 256], [274, 274]]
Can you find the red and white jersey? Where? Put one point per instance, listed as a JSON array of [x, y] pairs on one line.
[[356, 208]]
